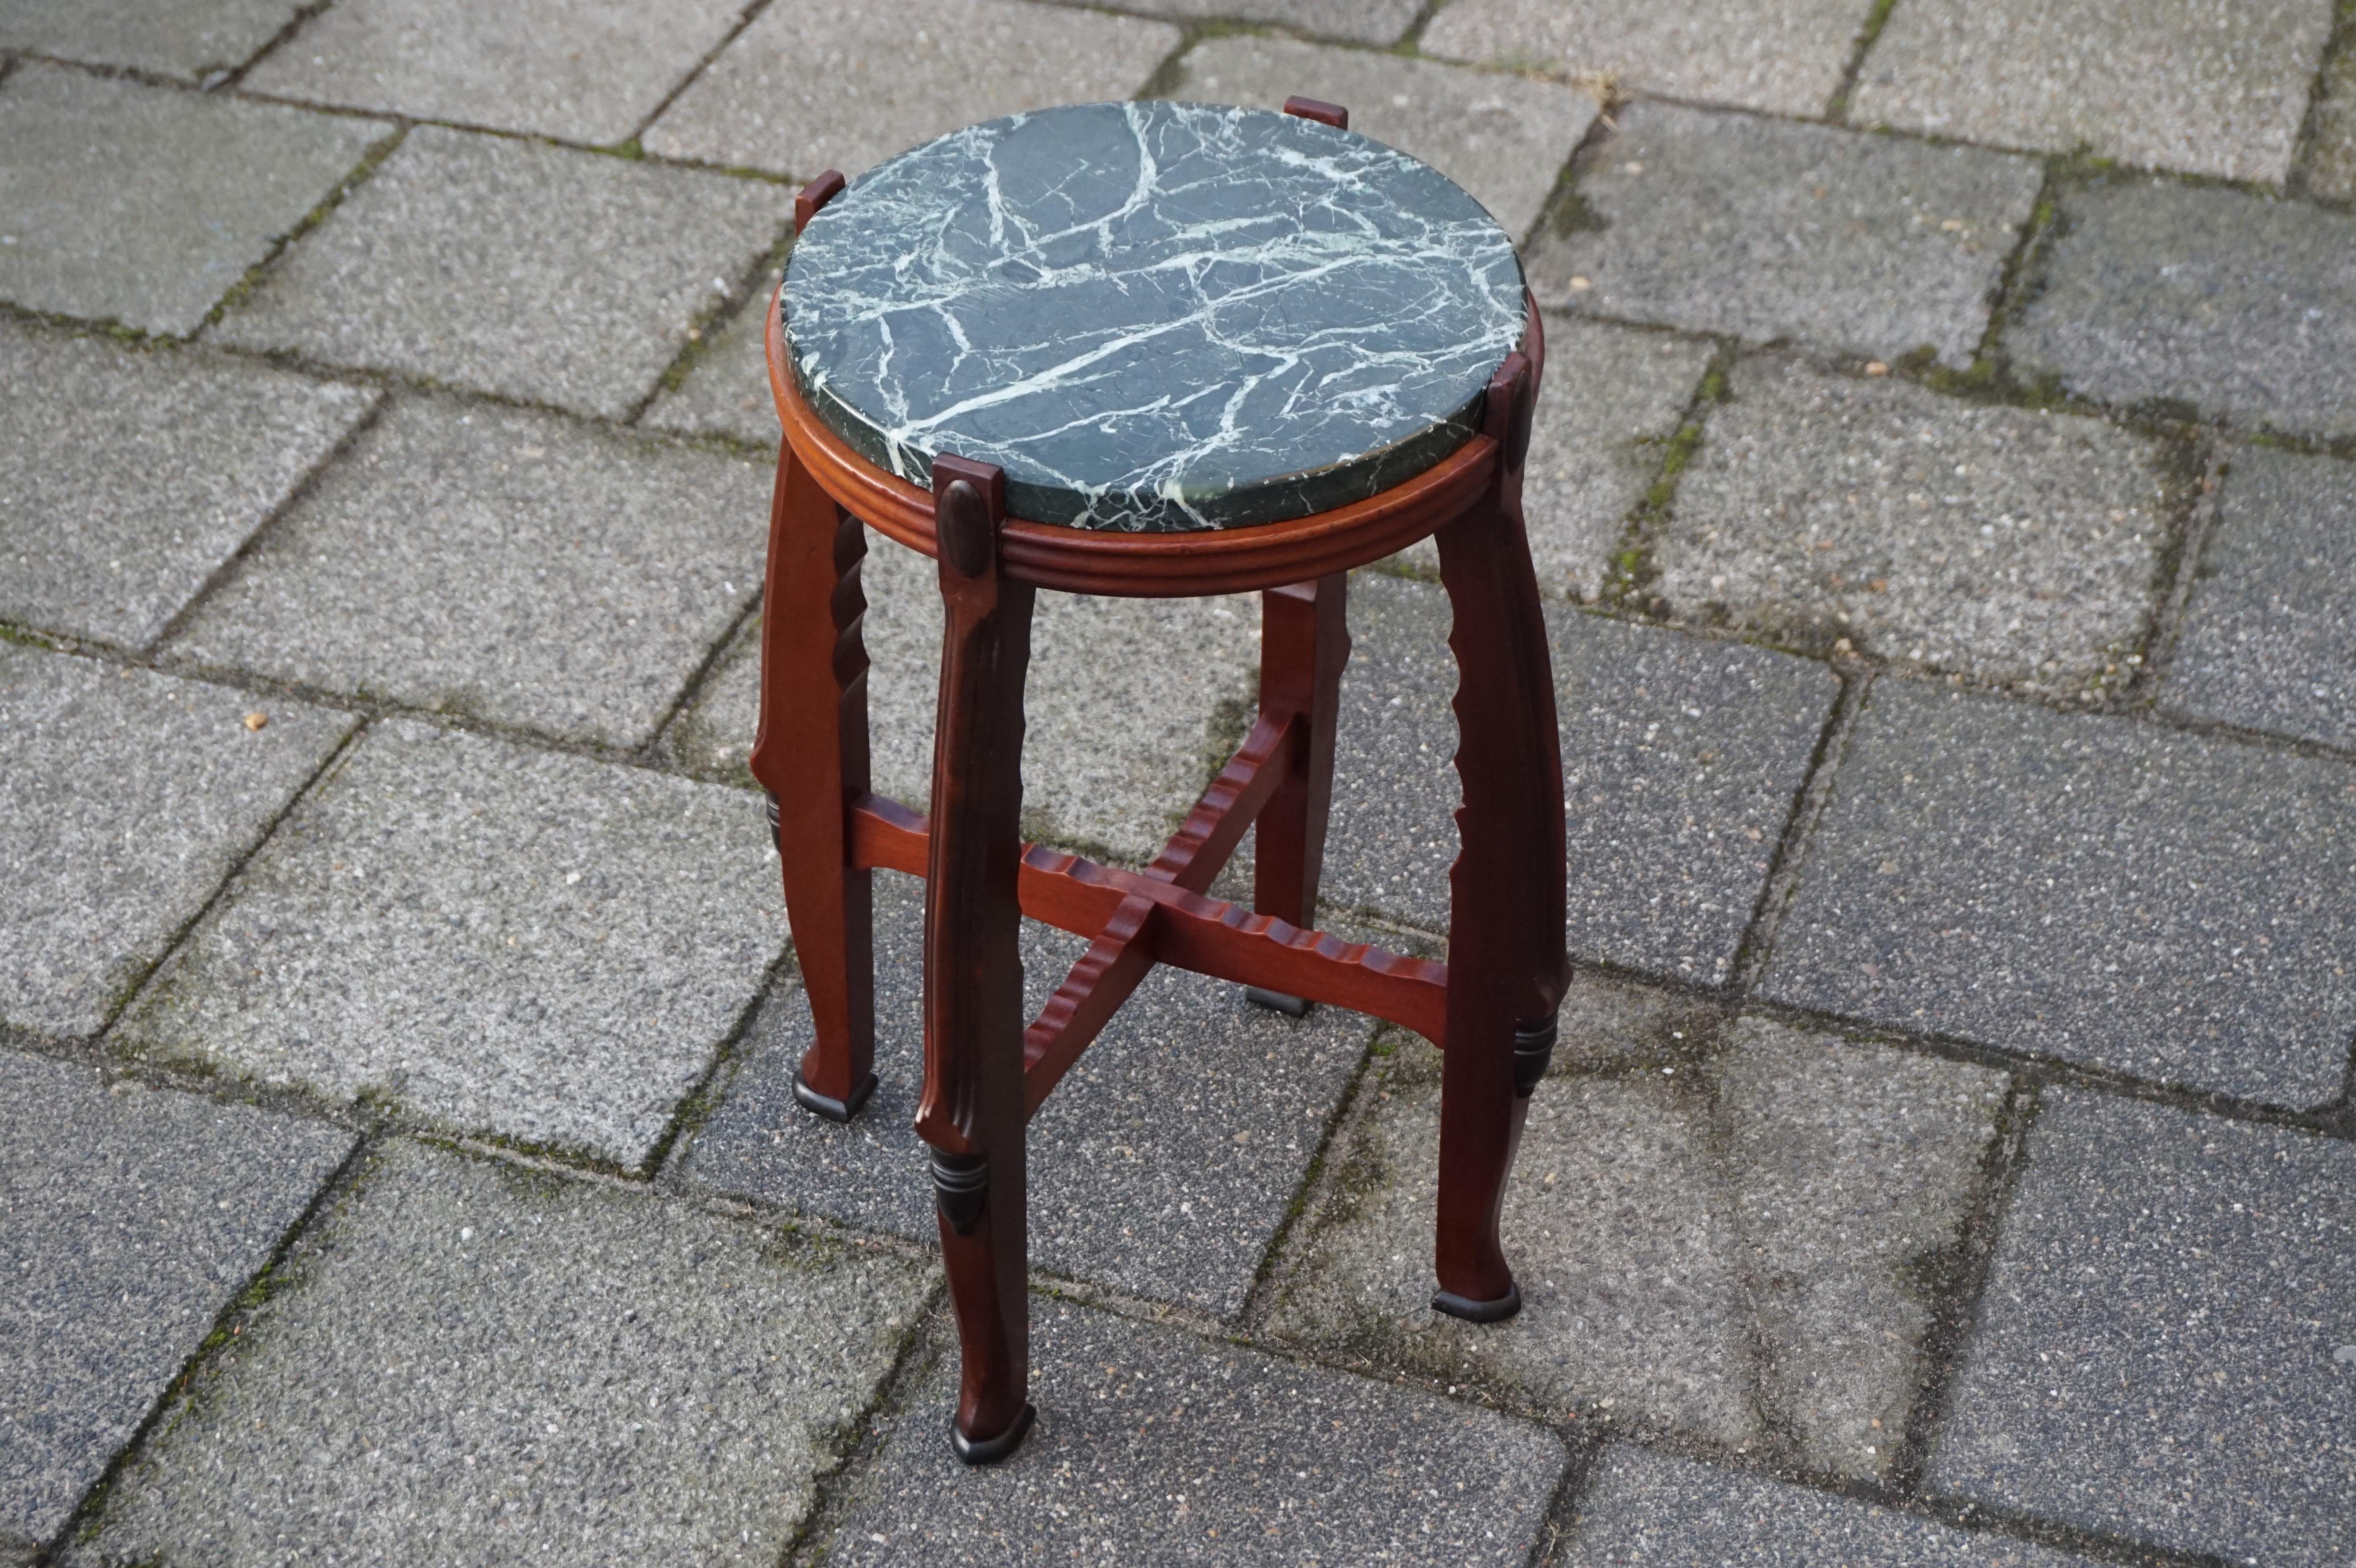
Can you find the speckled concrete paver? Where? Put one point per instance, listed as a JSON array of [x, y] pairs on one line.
[[472, 1363], [1643, 1509], [2237, 306], [1125, 701], [130, 798], [515, 268], [2095, 889], [2210, 87], [1717, 1242], [1500, 137], [2168, 1348], [1153, 1447], [1681, 759], [128, 479], [580, 73], [503, 564], [1786, 56], [840, 84], [522, 943], [145, 205], [1159, 1184], [2005, 543], [2269, 635], [1958, 982], [131, 1219], [189, 40], [1766, 228]]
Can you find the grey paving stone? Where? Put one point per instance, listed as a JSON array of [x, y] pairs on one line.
[[1681, 759], [726, 391], [518, 942], [131, 1219], [1786, 57], [580, 74], [130, 797], [1153, 1447], [2269, 635], [1125, 698], [2329, 169], [188, 41], [1764, 229], [2091, 889], [2005, 543], [1356, 21], [2163, 1345], [468, 1362], [1641, 1508], [1612, 397], [126, 479], [1156, 1178], [143, 205], [506, 564], [514, 268], [819, 84], [1719, 1242], [2239, 305], [1503, 138], [2214, 87]]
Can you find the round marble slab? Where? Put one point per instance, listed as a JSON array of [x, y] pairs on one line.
[[1154, 317]]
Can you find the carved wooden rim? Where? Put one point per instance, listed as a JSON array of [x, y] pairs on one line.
[[1148, 566]]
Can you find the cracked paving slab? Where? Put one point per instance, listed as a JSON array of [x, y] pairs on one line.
[[1731, 1242], [523, 944], [471, 1362]]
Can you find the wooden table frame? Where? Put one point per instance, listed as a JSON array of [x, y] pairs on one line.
[[1490, 1008]]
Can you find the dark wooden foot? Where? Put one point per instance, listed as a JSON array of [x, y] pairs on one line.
[[1506, 966], [810, 754], [973, 1110]]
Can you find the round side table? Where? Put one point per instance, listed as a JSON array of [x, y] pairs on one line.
[[1152, 350]]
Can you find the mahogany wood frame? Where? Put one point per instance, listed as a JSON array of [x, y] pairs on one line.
[[1490, 1008]]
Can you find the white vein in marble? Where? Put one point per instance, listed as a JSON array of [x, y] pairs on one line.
[[1154, 317]]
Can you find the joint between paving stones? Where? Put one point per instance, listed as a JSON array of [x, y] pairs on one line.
[[89, 1512], [1632, 569], [2178, 565], [1868, 33], [704, 1097], [745, 18], [270, 45], [929, 1336], [176, 945], [230, 565], [371, 160], [1788, 862], [766, 272]]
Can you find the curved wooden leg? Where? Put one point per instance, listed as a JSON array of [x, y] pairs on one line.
[[1305, 644], [973, 1112], [810, 754], [1506, 966]]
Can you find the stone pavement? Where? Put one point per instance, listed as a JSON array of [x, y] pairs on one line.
[[1945, 494]]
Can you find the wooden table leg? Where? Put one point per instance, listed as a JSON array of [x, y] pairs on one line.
[[1506, 967], [973, 1112], [1305, 644], [810, 754]]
